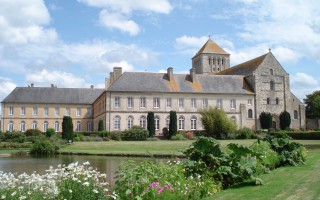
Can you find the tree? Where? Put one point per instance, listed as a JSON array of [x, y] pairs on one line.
[[173, 124], [150, 124], [67, 128], [313, 105], [100, 125], [265, 120], [285, 120], [216, 122]]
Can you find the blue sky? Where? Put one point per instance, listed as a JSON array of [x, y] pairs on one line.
[[75, 43]]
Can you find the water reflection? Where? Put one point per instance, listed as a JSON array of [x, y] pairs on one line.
[[29, 164]]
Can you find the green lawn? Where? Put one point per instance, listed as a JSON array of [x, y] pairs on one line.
[[149, 147], [300, 182]]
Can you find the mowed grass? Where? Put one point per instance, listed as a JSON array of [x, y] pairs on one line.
[[150, 147], [301, 182]]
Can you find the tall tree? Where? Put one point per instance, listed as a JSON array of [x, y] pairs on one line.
[[313, 105], [67, 128], [266, 120], [285, 120], [150, 124], [100, 125], [173, 124]]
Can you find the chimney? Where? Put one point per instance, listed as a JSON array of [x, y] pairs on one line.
[[170, 73], [117, 71], [91, 86], [193, 74], [32, 84], [111, 78]]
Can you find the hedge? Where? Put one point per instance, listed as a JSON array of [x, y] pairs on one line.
[[302, 135]]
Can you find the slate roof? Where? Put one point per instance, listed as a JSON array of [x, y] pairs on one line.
[[211, 47], [245, 68], [47, 95], [158, 82]]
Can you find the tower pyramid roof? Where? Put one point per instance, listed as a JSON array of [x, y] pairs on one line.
[[211, 47]]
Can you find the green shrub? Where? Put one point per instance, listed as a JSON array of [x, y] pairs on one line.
[[285, 120], [245, 133], [33, 132], [136, 133], [100, 125], [43, 147], [266, 156], [14, 145], [67, 128], [92, 139], [14, 136], [116, 135], [104, 134], [50, 132], [179, 136], [216, 123], [150, 124], [265, 120], [173, 124]]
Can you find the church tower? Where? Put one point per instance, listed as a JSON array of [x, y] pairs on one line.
[[211, 59]]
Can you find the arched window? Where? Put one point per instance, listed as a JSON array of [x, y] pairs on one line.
[[22, 126], [78, 126], [271, 85], [271, 71], [250, 113], [130, 122], [34, 125], [117, 123], [10, 126], [143, 122], [268, 100], [277, 100], [295, 114], [193, 123], [45, 126], [181, 123], [157, 123], [56, 126]]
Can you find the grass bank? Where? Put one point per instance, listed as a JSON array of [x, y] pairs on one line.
[[300, 182], [150, 147]]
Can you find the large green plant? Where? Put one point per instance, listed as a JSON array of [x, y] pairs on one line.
[[100, 125], [173, 124], [150, 124], [313, 105], [216, 123], [67, 128], [285, 120], [266, 120], [136, 133]]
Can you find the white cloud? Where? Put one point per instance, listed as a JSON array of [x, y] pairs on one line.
[[118, 21], [303, 84], [6, 86]]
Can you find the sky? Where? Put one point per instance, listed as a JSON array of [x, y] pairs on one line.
[[76, 43]]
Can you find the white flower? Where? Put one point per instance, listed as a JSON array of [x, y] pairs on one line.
[[3, 196], [95, 191], [14, 193], [22, 197], [70, 191], [86, 184], [86, 163]]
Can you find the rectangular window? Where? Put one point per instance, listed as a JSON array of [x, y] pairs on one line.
[[219, 103], [249, 101], [193, 103], [156, 102], [130, 102], [142, 102], [157, 123], [56, 111], [169, 103], [10, 126], [22, 127], [56, 127], [117, 102], [181, 103], [78, 113], [193, 124], [35, 111], [89, 126], [89, 112], [233, 104], [22, 110], [78, 127], [11, 110], [205, 103], [68, 111], [46, 111]]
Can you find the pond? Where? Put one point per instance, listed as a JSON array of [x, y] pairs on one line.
[[29, 164]]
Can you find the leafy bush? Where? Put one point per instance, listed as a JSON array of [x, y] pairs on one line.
[[265, 120], [268, 158], [67, 128], [14, 136], [179, 136], [43, 147], [285, 120], [136, 133], [50, 132], [189, 135], [91, 139], [104, 134], [245, 133], [116, 135], [33, 132], [14, 145], [216, 123]]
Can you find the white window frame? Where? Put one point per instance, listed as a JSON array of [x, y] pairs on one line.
[[117, 102], [34, 125], [129, 122], [46, 111], [249, 102], [45, 126], [23, 110], [157, 123], [89, 112], [117, 123], [156, 102], [68, 111], [89, 126], [78, 112], [233, 104], [219, 103], [142, 102], [130, 102], [193, 123], [56, 111], [181, 102], [10, 126], [78, 127], [181, 123], [169, 103], [35, 111], [23, 126], [56, 126], [193, 103], [205, 103], [143, 122]]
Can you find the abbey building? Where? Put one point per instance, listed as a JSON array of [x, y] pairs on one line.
[[242, 91]]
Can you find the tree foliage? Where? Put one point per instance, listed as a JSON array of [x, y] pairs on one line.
[[67, 128], [150, 124], [173, 124], [216, 122], [100, 125], [313, 105], [266, 120], [285, 120]]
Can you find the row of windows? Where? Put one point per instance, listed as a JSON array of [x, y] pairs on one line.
[[143, 122], [181, 102], [45, 126], [216, 61], [46, 111], [269, 101]]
